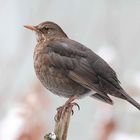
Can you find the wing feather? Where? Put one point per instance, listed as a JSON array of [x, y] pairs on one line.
[[83, 66]]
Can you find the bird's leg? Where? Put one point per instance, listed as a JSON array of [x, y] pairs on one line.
[[61, 110]]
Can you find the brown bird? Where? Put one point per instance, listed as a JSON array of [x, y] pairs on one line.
[[69, 69]]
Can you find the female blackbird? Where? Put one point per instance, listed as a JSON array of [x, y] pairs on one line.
[[69, 69]]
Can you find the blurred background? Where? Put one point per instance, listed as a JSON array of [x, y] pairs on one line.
[[110, 28]]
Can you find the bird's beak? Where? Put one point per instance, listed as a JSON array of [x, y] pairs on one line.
[[33, 28]]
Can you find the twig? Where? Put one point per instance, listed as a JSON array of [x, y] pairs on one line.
[[61, 126]]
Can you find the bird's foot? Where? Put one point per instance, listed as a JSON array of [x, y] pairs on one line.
[[62, 109]]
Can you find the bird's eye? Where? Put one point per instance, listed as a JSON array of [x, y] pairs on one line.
[[45, 29]]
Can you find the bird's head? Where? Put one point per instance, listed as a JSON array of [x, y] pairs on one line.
[[47, 30]]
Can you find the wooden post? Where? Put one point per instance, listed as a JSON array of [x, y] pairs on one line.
[[61, 126]]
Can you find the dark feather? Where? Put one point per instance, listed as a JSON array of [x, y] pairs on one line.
[[86, 68], [102, 98], [77, 55]]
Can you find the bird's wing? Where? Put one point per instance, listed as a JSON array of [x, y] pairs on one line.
[[104, 70], [81, 65]]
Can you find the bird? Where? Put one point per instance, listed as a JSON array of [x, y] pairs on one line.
[[69, 69]]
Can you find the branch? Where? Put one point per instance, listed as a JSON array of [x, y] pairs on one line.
[[61, 127]]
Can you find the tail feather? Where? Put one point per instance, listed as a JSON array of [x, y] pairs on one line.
[[131, 100]]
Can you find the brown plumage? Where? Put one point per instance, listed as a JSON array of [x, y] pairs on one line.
[[69, 69]]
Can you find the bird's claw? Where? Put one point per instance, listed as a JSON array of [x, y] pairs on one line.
[[74, 104]]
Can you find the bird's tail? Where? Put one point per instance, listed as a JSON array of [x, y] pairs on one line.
[[131, 100]]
